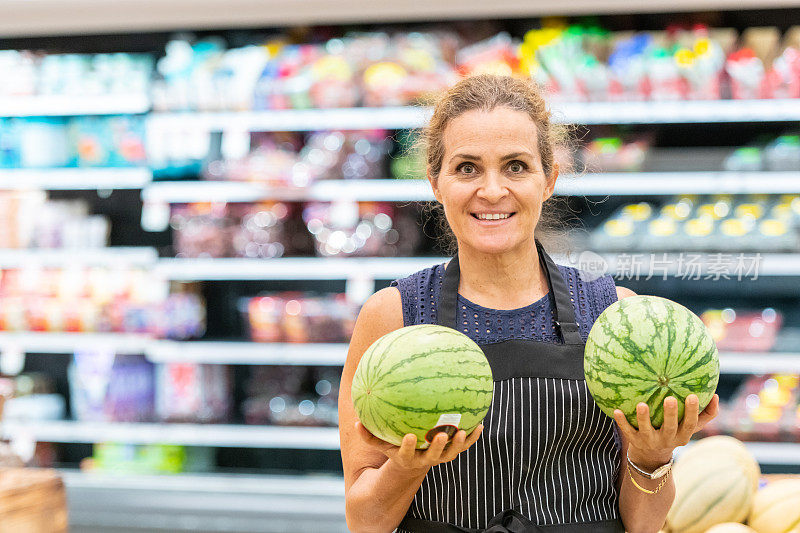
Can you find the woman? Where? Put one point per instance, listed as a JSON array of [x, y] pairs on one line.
[[546, 458]]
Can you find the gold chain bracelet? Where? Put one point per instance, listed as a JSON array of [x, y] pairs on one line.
[[654, 491]]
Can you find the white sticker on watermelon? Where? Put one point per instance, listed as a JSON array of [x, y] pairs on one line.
[[449, 419]]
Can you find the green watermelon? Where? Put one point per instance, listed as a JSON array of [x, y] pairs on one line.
[[645, 348], [422, 379]]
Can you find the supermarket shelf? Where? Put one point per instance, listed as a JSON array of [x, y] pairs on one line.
[[418, 190], [219, 502], [247, 353], [704, 265], [73, 179], [622, 265], [759, 363], [232, 436], [772, 453], [668, 183], [294, 268], [65, 105], [371, 190], [53, 17], [692, 111], [44, 342], [111, 256], [678, 112]]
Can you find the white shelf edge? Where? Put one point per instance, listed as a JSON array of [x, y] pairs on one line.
[[644, 112], [305, 268], [68, 105], [52, 17], [314, 268], [111, 256], [247, 353], [47, 342], [266, 353], [75, 178], [266, 484], [230, 436], [418, 190]]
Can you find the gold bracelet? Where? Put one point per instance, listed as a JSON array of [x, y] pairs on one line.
[[655, 491]]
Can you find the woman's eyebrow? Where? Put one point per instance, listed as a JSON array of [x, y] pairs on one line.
[[515, 154], [466, 156]]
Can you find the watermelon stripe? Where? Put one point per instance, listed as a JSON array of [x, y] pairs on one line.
[[459, 408], [421, 355], [385, 351], [629, 346]]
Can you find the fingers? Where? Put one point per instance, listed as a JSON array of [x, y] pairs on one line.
[[643, 419], [624, 426], [454, 447], [670, 426], [405, 454], [690, 418], [434, 452], [474, 436], [709, 413]]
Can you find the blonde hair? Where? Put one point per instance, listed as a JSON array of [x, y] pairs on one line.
[[486, 92]]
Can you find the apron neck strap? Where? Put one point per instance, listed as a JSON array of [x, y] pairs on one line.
[[562, 304]]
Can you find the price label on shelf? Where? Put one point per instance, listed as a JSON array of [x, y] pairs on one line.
[[155, 216], [12, 359]]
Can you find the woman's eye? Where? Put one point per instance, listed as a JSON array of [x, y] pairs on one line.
[[467, 168], [516, 167]]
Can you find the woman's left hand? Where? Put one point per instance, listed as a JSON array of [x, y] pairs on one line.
[[650, 448]]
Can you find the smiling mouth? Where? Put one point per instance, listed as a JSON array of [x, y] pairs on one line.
[[476, 217]]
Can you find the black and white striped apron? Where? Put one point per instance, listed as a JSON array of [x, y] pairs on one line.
[[548, 457]]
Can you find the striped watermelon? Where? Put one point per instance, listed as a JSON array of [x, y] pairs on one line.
[[422, 379], [645, 348]]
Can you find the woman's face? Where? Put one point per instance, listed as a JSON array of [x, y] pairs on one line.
[[491, 166]]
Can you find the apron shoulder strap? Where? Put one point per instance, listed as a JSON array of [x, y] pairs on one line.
[[562, 304]]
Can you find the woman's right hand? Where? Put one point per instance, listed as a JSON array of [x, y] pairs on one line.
[[408, 457]]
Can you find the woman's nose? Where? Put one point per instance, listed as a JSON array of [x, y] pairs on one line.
[[492, 188]]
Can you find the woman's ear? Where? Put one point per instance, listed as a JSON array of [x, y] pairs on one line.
[[551, 182], [434, 186]]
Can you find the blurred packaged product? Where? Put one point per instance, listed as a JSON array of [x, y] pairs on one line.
[[32, 397], [144, 459], [261, 230], [717, 223], [31, 220], [764, 409], [612, 154], [285, 161], [783, 154], [299, 317], [27, 73], [370, 69], [191, 392], [108, 141], [356, 229], [292, 396], [408, 162], [109, 387], [743, 331], [98, 299]]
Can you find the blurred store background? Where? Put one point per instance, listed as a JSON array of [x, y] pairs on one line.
[[198, 196]]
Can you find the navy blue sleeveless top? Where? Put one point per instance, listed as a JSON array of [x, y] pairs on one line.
[[419, 293], [589, 495]]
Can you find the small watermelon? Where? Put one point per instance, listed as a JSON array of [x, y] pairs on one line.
[[645, 348], [422, 379]]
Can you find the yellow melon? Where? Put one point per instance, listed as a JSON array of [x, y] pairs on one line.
[[717, 447], [776, 508], [715, 482], [730, 527]]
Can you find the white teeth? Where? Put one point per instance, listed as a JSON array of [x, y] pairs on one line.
[[494, 216]]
